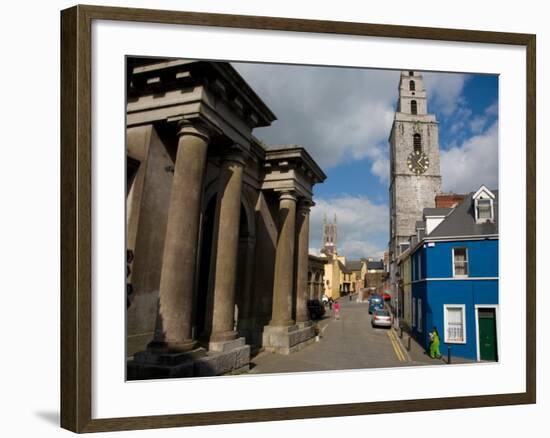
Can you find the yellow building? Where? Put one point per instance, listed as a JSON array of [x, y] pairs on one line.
[[342, 276]]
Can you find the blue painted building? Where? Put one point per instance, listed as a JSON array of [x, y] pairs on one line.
[[454, 277]]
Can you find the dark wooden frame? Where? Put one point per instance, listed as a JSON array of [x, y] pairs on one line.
[[76, 341]]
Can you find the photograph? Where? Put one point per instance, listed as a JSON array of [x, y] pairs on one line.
[[285, 218]]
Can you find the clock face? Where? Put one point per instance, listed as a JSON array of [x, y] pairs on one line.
[[418, 162]]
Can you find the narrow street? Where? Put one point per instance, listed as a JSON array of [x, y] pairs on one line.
[[346, 343]]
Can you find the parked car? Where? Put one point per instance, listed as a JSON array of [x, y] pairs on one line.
[[375, 302], [376, 305], [316, 309], [381, 318], [375, 298]]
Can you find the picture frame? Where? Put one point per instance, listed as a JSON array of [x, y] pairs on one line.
[[76, 217]]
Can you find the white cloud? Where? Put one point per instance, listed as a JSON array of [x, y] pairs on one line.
[[362, 225], [475, 162], [445, 90], [338, 114], [342, 114]]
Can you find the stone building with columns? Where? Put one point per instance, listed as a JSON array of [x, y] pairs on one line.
[[217, 221], [316, 277]]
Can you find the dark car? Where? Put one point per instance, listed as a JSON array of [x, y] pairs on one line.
[[316, 309], [375, 298], [376, 302], [374, 306]]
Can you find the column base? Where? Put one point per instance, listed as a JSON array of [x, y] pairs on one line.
[[232, 358], [172, 347], [223, 337], [289, 339], [304, 324]]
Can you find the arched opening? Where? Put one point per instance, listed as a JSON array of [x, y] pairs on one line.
[[417, 143], [414, 108], [203, 301], [207, 232], [412, 86]]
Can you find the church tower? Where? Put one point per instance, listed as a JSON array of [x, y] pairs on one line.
[[415, 176], [330, 235]]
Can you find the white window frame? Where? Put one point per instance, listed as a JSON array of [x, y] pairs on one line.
[[463, 307], [419, 315], [455, 275], [492, 213]]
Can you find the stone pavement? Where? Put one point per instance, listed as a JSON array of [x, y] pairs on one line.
[[346, 343]]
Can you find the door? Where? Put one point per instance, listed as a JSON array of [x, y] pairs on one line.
[[487, 334]]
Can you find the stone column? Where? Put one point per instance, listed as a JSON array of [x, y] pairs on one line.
[[283, 281], [302, 251], [225, 247], [180, 246]]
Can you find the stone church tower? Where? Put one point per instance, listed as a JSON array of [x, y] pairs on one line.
[[330, 235], [415, 176]]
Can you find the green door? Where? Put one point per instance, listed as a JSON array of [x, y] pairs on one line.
[[487, 334]]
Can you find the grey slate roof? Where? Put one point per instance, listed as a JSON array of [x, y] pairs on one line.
[[436, 211], [344, 268], [353, 265], [375, 264], [461, 222]]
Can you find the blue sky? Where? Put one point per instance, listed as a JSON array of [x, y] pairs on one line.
[[343, 117]]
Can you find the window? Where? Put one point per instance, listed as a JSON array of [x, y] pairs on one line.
[[417, 143], [460, 262], [484, 210], [455, 324], [419, 266], [403, 247], [419, 328], [411, 86], [414, 312], [413, 107], [411, 73]]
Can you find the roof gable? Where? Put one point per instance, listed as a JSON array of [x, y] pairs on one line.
[[461, 221]]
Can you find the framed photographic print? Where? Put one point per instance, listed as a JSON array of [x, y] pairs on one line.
[[251, 205]]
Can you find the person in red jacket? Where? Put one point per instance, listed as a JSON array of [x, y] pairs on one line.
[[337, 310]]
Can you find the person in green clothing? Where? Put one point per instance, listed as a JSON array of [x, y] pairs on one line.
[[434, 344]]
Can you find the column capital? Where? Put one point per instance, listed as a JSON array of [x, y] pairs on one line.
[[289, 195], [305, 204], [235, 154], [196, 127]]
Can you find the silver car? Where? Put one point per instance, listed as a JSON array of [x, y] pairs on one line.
[[381, 318]]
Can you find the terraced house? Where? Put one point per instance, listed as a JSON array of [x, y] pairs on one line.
[[450, 277]]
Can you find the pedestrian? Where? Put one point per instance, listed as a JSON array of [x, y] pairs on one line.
[[434, 344], [330, 302], [337, 310], [350, 296]]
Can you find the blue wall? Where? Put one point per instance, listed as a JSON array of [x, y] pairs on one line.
[[482, 258], [436, 262]]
